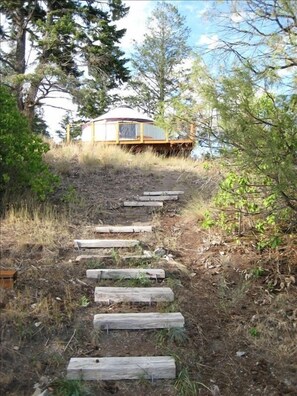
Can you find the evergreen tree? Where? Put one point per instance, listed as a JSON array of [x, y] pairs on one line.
[[158, 62], [72, 42]]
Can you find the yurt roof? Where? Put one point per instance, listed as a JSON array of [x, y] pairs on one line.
[[123, 113]]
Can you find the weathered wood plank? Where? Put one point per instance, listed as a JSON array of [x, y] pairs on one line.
[[121, 368], [105, 243], [138, 203], [125, 273], [120, 229], [86, 257], [133, 321], [163, 192], [109, 295], [160, 198]]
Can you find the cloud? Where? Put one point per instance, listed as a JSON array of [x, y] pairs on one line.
[[209, 40], [135, 22], [236, 18]]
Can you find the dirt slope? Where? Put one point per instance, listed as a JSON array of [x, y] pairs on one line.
[[240, 322]]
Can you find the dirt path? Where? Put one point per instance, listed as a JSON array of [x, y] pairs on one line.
[[241, 332]]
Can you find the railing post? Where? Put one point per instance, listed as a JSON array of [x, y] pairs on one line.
[[167, 135], [68, 133], [141, 132], [192, 132], [93, 131], [118, 133]]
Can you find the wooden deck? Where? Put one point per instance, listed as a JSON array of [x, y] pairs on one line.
[[166, 147]]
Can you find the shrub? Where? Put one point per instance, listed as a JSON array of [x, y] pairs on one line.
[[21, 163]]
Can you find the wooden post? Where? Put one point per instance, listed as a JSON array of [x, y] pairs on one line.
[[118, 133], [192, 132], [68, 133], [167, 135], [141, 132], [93, 131]]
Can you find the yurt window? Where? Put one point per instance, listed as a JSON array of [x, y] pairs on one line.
[[127, 131]]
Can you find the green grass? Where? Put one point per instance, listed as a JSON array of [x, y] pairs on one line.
[[64, 387]]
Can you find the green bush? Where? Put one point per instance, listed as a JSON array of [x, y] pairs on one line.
[[21, 163]]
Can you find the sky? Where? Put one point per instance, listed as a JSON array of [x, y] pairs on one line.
[[203, 35]]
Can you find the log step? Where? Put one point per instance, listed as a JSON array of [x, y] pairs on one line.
[[163, 192], [121, 368], [104, 243], [123, 229], [134, 321], [86, 257], [129, 273], [109, 295], [160, 198], [138, 203]]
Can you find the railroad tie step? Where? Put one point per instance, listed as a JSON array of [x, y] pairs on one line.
[[138, 321], [121, 368], [152, 193], [148, 295], [88, 257], [105, 243], [123, 229], [152, 198], [125, 273], [142, 203]]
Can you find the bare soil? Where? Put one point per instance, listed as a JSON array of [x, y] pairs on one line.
[[241, 323]]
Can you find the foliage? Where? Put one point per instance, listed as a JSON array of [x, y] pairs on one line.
[[61, 36], [21, 163], [261, 34], [157, 62], [75, 127], [258, 132]]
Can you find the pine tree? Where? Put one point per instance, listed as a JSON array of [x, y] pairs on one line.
[[158, 61], [72, 42]]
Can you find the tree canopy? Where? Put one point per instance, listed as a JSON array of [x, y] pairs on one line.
[[72, 43]]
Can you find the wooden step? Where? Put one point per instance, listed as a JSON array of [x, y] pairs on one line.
[[138, 203], [134, 321], [160, 198], [104, 243], [109, 295], [123, 273], [163, 192], [121, 368], [123, 229], [87, 257]]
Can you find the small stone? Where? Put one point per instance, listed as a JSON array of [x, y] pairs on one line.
[[240, 353], [37, 324], [193, 274], [160, 252], [16, 348], [58, 298]]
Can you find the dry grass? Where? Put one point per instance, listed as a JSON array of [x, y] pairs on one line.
[[90, 156], [34, 225]]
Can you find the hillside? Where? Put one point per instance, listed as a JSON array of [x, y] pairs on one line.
[[239, 303]]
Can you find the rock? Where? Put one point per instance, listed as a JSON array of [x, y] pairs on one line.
[[161, 252], [39, 392], [240, 353]]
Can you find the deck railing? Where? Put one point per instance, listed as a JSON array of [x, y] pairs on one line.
[[130, 133]]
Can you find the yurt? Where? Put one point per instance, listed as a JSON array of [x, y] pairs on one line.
[[121, 124]]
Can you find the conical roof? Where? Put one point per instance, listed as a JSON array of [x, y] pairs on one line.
[[123, 113]]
